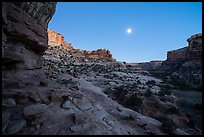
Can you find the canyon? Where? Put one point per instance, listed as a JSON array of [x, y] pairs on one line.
[[51, 88]]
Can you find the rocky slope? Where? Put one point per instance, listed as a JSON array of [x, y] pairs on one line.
[[128, 84], [183, 66], [64, 92]]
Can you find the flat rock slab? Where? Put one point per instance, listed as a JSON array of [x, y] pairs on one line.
[[5, 120], [10, 102], [83, 103], [16, 126], [34, 109]]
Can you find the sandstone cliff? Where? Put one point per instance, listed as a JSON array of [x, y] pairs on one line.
[[56, 39], [192, 52], [24, 36]]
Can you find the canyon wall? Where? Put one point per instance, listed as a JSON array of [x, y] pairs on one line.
[[56, 39], [177, 55], [192, 52], [195, 47], [24, 36], [183, 66]]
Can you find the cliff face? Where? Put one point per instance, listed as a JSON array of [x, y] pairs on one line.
[[195, 47], [24, 35], [56, 39], [177, 55], [185, 64], [192, 52]]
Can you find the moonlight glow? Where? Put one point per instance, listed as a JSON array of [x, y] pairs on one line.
[[129, 30]]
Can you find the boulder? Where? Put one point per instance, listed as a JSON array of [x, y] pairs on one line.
[[35, 109]]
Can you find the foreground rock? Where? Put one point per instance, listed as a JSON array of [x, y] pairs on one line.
[[16, 126], [34, 109]]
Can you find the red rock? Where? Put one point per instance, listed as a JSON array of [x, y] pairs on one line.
[[56, 39]]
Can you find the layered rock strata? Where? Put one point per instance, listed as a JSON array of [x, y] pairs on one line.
[[56, 39], [24, 35], [192, 52]]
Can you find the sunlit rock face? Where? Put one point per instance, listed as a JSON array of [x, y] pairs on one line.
[[24, 34], [56, 39]]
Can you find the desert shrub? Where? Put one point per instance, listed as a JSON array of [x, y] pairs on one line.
[[163, 99], [138, 82], [166, 87], [165, 90], [150, 82], [134, 101], [180, 84], [173, 110], [167, 125], [161, 93], [134, 86], [148, 93], [120, 93]]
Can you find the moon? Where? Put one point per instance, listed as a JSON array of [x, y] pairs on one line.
[[129, 30]]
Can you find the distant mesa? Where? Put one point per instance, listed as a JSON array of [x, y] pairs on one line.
[[56, 39]]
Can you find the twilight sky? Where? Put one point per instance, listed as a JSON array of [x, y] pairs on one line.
[[154, 27]]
